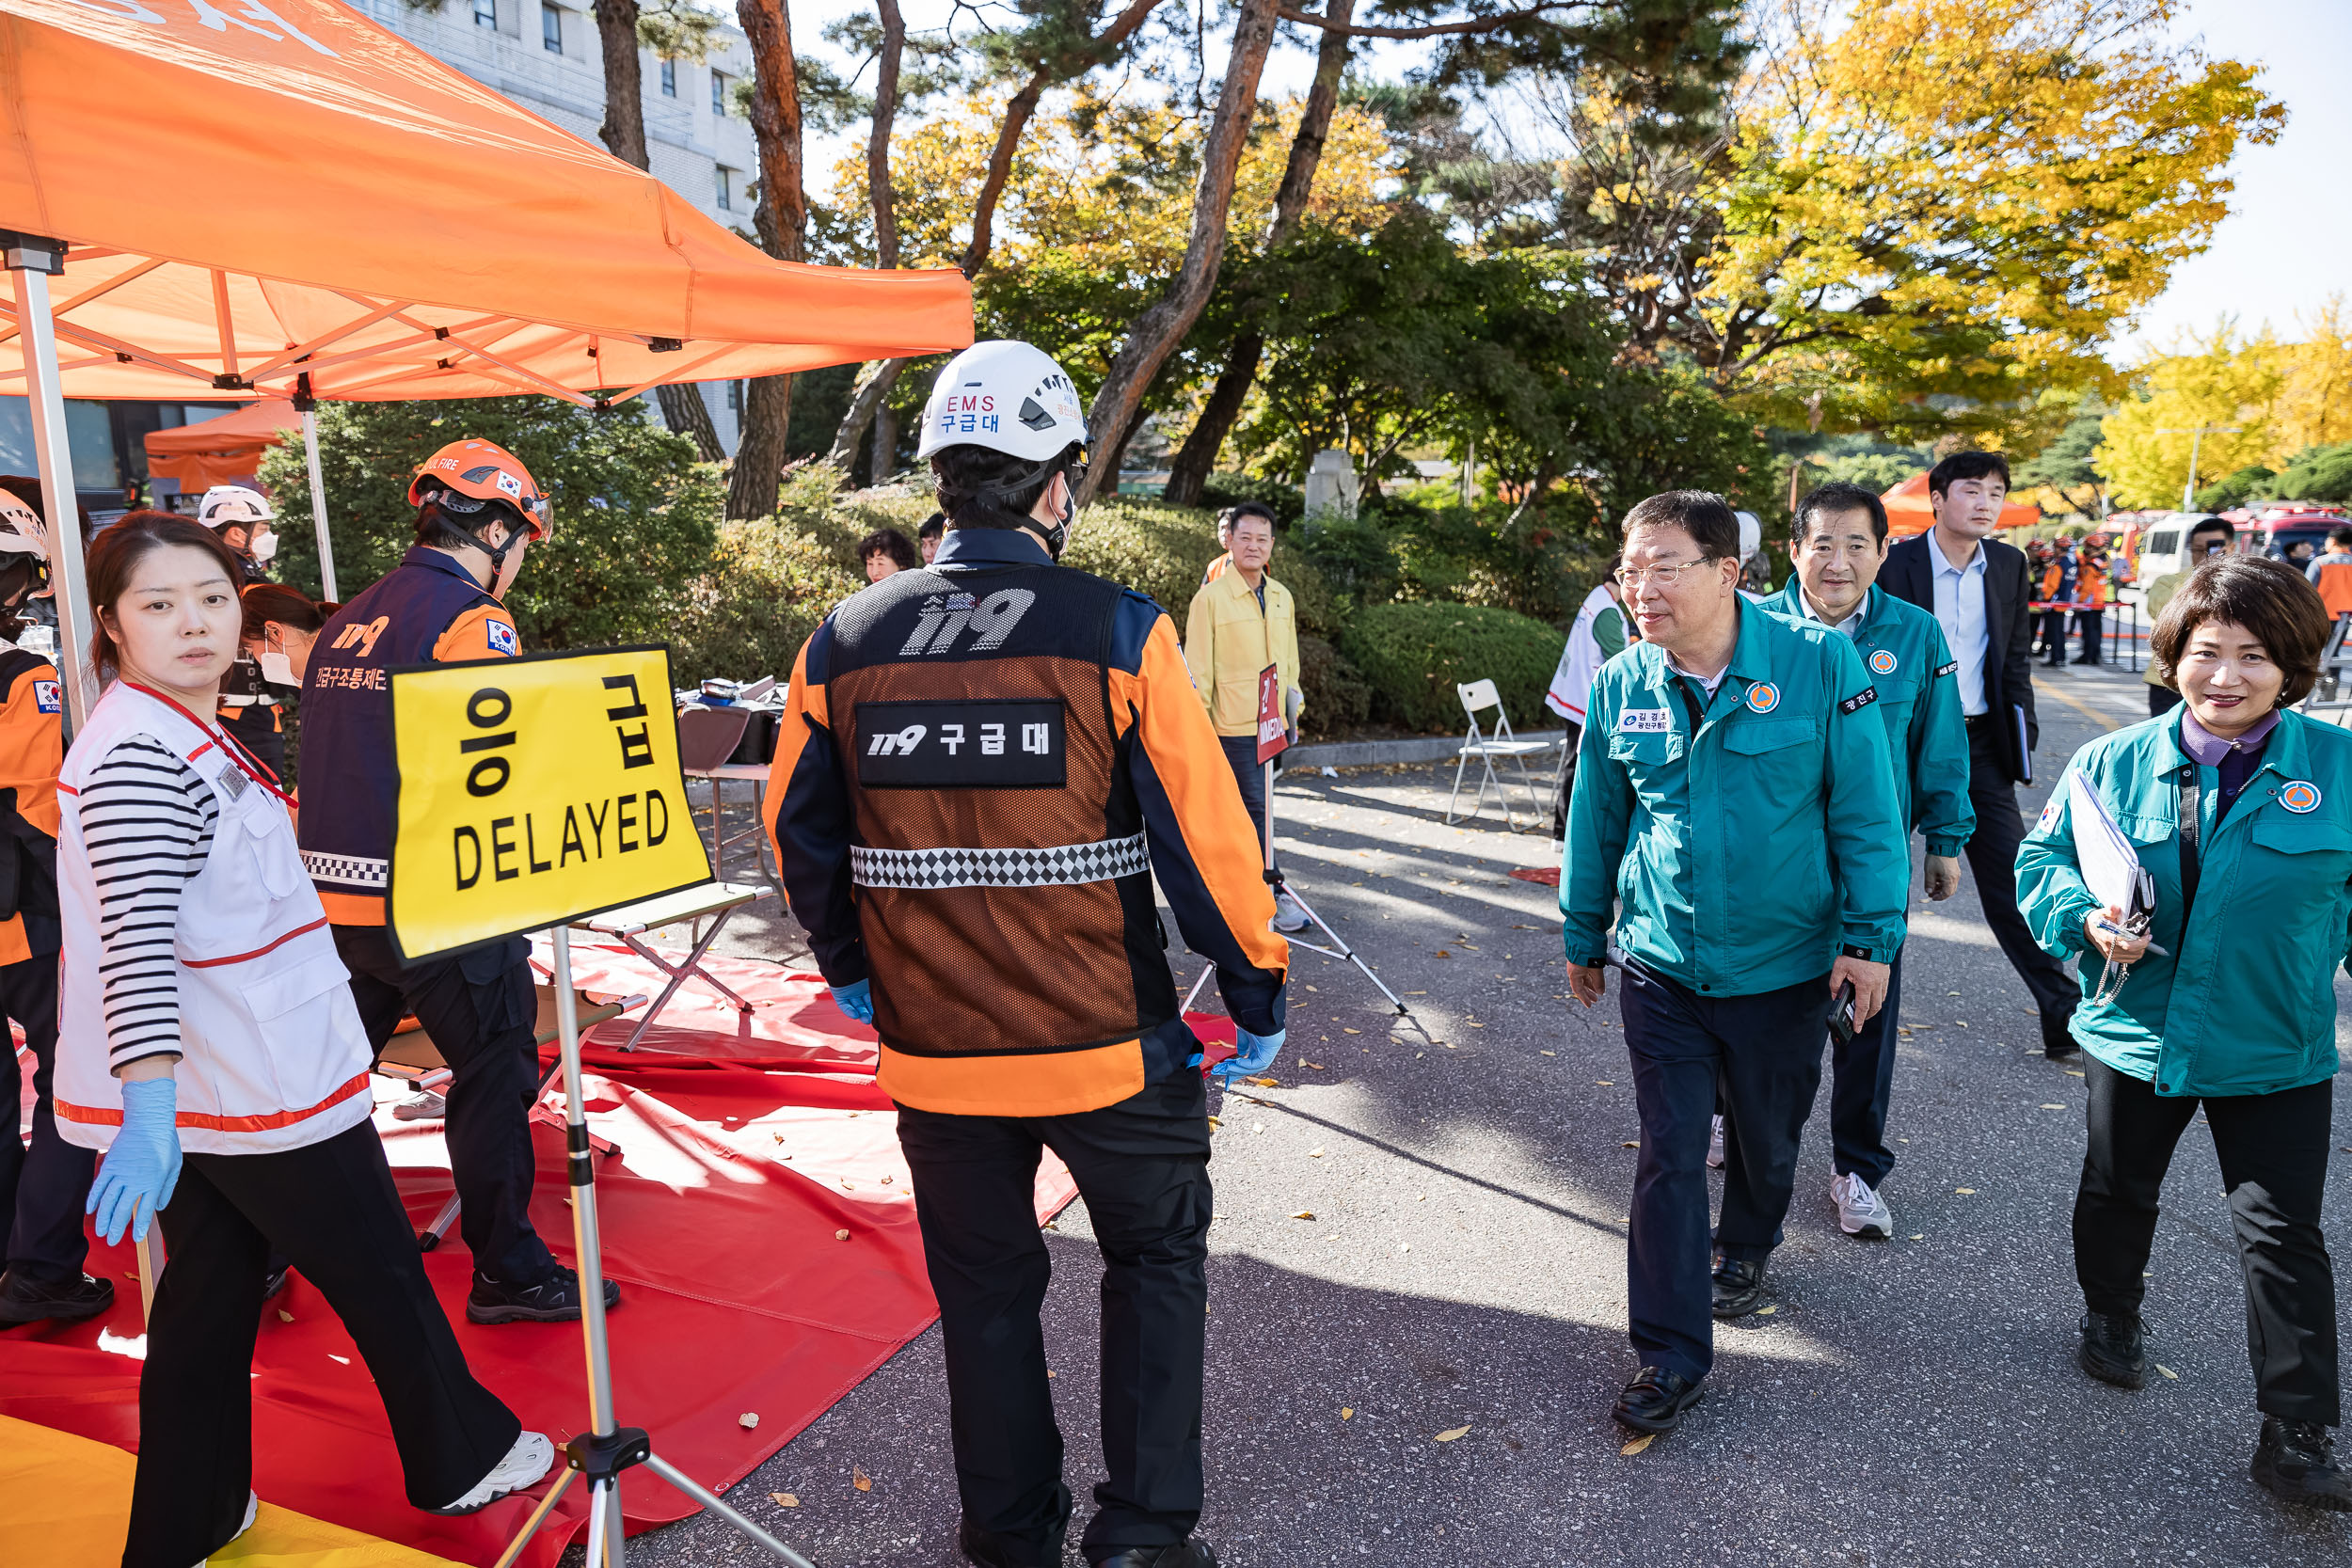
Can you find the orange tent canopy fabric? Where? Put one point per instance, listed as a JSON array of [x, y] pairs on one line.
[[1907, 510], [223, 449], [253, 189]]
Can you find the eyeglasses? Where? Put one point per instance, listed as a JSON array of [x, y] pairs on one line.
[[1665, 577]]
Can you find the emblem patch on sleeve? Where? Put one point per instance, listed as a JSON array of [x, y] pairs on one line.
[[1859, 701], [502, 636], [47, 697]]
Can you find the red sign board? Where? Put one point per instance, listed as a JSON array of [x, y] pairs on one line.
[[1272, 739]]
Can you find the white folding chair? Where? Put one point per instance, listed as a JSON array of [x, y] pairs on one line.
[[1477, 697]]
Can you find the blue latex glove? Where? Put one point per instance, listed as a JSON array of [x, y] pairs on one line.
[[1256, 1052], [143, 1164], [857, 1000]]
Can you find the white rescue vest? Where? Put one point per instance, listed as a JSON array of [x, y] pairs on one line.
[[273, 1055], [1579, 662]]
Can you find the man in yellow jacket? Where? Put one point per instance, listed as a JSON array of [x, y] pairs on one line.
[[1241, 622]]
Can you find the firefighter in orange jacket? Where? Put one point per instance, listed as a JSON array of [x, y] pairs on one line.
[[983, 765], [42, 1185]]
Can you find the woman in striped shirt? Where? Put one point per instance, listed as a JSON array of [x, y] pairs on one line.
[[211, 1047]]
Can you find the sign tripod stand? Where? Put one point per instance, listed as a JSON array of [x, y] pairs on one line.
[[606, 1449], [1273, 740]]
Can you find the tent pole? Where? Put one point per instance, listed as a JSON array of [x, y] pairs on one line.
[[31, 261], [318, 504]]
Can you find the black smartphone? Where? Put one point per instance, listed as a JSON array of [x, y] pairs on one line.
[[1841, 1020]]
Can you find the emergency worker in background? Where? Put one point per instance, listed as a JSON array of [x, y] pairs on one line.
[[42, 1186], [982, 766], [245, 523], [477, 511], [39, 633], [273, 650], [1598, 636]]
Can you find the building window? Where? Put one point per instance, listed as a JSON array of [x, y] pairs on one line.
[[669, 78], [719, 80], [551, 30], [486, 14], [735, 397], [723, 187]]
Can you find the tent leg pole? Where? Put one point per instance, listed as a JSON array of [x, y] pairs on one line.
[[30, 262], [318, 505]]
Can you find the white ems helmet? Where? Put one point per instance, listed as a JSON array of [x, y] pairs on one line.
[[1007, 396], [21, 532], [227, 504]]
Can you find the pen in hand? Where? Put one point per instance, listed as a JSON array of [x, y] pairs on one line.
[[2113, 929]]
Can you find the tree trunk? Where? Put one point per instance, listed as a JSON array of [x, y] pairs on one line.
[[782, 220], [873, 384], [1197, 459], [684, 411], [1159, 329], [878, 375], [623, 128]]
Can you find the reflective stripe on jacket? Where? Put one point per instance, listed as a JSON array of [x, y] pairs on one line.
[[2246, 1003], [1917, 680], [981, 767], [272, 1053], [1747, 847]]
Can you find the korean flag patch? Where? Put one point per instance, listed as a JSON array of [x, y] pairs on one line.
[[47, 697], [502, 636], [1643, 721]]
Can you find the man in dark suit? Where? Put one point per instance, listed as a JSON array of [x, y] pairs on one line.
[[1977, 587]]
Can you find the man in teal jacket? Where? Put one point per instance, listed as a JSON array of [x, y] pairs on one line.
[[1734, 791], [1839, 543]]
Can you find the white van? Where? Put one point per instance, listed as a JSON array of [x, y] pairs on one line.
[[2164, 542]]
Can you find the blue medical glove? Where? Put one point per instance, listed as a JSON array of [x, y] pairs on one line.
[[143, 1165], [1254, 1053], [857, 1001]]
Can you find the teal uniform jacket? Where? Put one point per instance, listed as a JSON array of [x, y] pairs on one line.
[[1919, 686], [1750, 844], [2247, 1004]]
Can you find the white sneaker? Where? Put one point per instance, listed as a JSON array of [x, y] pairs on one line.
[[1860, 1210], [1716, 1146], [526, 1465], [1288, 914], [252, 1507], [428, 1106]]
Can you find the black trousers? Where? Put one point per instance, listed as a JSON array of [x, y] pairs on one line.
[[42, 1185], [2052, 643], [2088, 625], [1565, 788], [1992, 852], [2274, 1167], [480, 1010], [331, 1208], [1862, 1078], [1764, 1052], [1143, 1167], [1241, 752]]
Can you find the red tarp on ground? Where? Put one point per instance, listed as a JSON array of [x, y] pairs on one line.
[[719, 1216]]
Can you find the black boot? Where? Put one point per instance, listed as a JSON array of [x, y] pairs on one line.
[[2114, 1349], [1655, 1401], [2296, 1461], [1184, 1554], [553, 1300]]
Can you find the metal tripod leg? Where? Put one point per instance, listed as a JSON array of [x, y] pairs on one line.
[[1344, 951]]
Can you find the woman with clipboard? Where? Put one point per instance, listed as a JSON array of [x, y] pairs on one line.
[[2240, 813]]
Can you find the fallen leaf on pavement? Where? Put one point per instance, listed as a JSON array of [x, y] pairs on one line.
[[1639, 1444], [1347, 1413], [840, 1235], [1555, 1054], [1314, 1154], [1766, 1311], [1265, 1083], [1451, 1434], [1606, 1082], [1443, 953], [785, 1500], [1304, 1214], [1965, 1192], [2167, 1372], [1628, 1146], [1920, 1238], [284, 1316], [860, 1479], [2053, 1107]]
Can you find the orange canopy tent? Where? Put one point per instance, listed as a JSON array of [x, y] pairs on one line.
[[1907, 510], [278, 197], [220, 450]]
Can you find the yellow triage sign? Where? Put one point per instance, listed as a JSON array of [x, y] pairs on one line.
[[535, 791]]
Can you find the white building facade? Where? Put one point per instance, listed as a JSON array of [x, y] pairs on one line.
[[545, 56]]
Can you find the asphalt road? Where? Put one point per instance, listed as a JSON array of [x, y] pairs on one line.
[[1912, 1402]]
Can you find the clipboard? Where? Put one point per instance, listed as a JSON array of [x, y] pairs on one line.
[[2108, 862]]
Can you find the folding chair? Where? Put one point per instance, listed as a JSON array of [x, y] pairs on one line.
[[715, 900], [707, 739], [1477, 697]]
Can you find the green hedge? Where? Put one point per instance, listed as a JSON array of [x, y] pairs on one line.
[[1414, 655]]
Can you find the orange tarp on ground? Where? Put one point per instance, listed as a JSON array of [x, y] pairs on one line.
[[1907, 509], [220, 450], [256, 188]]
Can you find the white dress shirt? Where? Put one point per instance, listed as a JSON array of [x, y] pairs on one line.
[[1851, 626], [1960, 605]]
